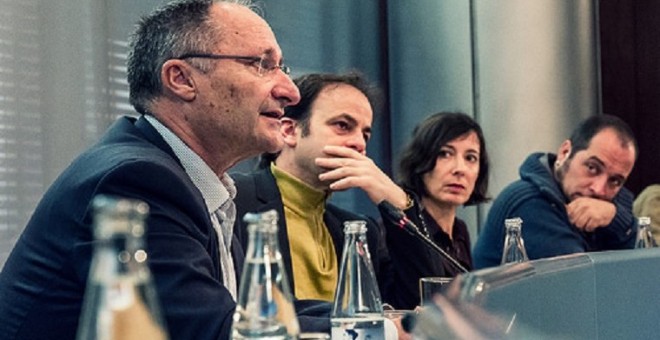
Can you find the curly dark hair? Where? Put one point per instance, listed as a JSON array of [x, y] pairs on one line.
[[310, 86]]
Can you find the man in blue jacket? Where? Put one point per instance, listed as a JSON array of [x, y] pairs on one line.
[[570, 202], [207, 79]]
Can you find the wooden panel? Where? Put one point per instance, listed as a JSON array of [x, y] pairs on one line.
[[630, 68]]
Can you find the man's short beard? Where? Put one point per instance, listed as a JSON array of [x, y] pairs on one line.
[[560, 172]]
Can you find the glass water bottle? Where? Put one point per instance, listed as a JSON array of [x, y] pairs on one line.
[[514, 246], [120, 301], [644, 235], [265, 305], [357, 311]]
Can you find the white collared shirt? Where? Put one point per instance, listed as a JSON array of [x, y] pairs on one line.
[[218, 193]]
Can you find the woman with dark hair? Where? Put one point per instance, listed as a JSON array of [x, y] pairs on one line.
[[444, 166]]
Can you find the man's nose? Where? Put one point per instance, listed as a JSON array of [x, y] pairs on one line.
[[285, 90], [599, 187], [357, 143]]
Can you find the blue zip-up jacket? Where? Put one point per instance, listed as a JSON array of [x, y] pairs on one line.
[[537, 198]]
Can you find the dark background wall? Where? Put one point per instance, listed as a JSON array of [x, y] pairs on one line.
[[630, 77]]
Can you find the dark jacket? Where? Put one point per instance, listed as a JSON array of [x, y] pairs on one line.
[[43, 281], [547, 230], [413, 259], [258, 192]]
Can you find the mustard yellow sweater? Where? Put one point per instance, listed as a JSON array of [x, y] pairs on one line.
[[312, 251]]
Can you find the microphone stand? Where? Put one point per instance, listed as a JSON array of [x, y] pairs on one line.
[[404, 223]]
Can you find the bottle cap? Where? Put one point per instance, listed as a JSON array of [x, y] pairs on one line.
[[118, 215], [357, 226], [644, 220]]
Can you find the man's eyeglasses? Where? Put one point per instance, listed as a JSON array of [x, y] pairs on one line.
[[264, 64]]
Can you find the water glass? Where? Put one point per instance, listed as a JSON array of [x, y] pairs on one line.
[[430, 286]]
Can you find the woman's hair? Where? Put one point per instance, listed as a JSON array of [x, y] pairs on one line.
[[419, 156]]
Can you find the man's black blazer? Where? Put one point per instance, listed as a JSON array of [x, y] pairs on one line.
[[42, 283], [258, 192]]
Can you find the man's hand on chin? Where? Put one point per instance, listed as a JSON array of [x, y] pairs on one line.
[[588, 213]]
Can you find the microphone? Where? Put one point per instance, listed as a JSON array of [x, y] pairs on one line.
[[404, 223], [408, 322]]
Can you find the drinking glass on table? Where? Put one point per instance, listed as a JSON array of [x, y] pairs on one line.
[[396, 316], [430, 286]]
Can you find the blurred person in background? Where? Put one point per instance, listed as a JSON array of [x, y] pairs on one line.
[[647, 204]]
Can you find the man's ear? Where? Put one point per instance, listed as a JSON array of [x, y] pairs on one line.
[[289, 130], [563, 153], [177, 78]]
